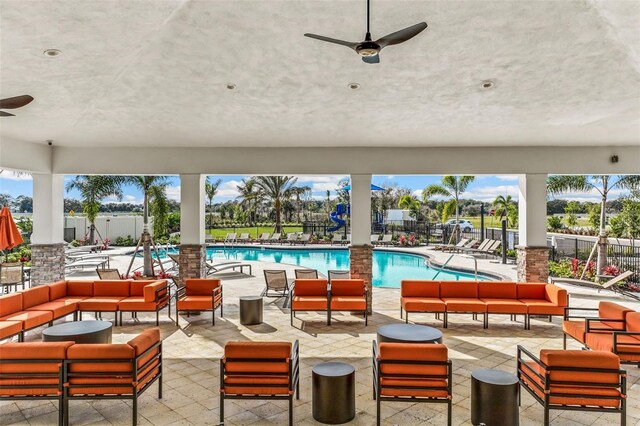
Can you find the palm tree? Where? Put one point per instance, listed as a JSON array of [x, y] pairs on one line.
[[603, 184], [211, 189], [249, 197], [92, 190], [276, 189], [153, 189], [411, 203], [504, 207], [297, 192], [452, 186]]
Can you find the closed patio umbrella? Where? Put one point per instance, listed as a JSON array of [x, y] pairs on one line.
[[9, 232]]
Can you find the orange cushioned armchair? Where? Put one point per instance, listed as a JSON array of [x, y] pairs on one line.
[[420, 296], [106, 296], [310, 295], [113, 371], [260, 370], [609, 317], [412, 372], [199, 294], [145, 296], [348, 295], [574, 380], [33, 370]]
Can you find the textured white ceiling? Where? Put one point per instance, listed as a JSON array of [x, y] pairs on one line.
[[154, 73]]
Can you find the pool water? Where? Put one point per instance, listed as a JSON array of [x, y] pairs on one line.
[[389, 267]]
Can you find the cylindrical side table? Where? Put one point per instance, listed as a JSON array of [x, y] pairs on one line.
[[494, 398], [334, 392], [79, 332], [250, 310]]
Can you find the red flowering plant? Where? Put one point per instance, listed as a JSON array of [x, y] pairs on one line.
[[612, 270], [105, 244], [577, 267], [164, 275], [412, 240], [402, 240]]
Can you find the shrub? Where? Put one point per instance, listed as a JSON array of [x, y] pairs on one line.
[[560, 269], [554, 223]]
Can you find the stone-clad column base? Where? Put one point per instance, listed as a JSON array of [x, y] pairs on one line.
[[361, 260], [533, 264], [47, 263], [191, 261]]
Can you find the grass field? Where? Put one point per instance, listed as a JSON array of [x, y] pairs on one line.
[[254, 231], [494, 222]]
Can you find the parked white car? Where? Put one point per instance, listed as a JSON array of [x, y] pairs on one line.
[[465, 225]]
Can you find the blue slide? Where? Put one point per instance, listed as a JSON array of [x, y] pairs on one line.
[[341, 209]]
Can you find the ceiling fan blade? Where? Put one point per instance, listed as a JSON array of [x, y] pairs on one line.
[[15, 102], [402, 35], [5, 114], [371, 59], [349, 44]]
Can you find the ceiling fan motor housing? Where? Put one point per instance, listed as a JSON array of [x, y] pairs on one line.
[[368, 48]]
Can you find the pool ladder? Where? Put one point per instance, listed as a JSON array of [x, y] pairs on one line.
[[444, 265]]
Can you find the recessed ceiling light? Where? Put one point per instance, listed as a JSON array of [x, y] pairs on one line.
[[231, 86], [354, 86], [488, 84], [52, 52]]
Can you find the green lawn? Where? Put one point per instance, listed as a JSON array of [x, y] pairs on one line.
[[495, 222], [254, 232]]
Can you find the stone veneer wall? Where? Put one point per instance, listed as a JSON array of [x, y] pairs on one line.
[[47, 263], [361, 260], [191, 261], [533, 264]]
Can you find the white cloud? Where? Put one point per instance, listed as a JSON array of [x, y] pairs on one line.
[[417, 193], [489, 193], [228, 189], [508, 178], [173, 192], [7, 174], [321, 184], [128, 198]]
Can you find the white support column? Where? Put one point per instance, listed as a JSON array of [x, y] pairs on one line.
[[532, 222], [47, 239], [361, 250], [360, 210], [192, 256]]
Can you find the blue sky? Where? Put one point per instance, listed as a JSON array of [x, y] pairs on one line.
[[484, 188]]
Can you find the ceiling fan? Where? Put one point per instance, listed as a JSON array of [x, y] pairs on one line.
[[369, 49], [13, 103]]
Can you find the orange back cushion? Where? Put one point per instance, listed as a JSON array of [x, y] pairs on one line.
[[633, 321], [497, 290], [261, 350], [531, 291], [612, 310], [90, 351], [459, 289], [136, 287], [57, 290], [419, 288], [316, 287], [143, 342], [201, 286], [35, 296], [351, 287], [413, 352], [80, 288], [10, 303], [33, 350], [582, 359], [111, 288]]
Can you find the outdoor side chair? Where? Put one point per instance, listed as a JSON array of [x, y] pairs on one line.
[[307, 274], [11, 275], [277, 285], [339, 275], [108, 274]]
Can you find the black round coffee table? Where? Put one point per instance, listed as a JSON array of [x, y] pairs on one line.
[[250, 310], [333, 392], [408, 333], [79, 332], [494, 398]]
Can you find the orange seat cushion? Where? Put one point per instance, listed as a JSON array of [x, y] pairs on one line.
[[59, 309], [30, 319], [57, 290], [201, 286], [70, 300], [633, 321], [348, 303], [575, 329], [309, 303], [311, 287], [350, 287], [604, 342], [505, 306], [10, 328], [612, 310], [150, 290], [80, 288], [556, 295], [542, 307], [413, 383], [10, 304], [111, 288], [136, 287], [532, 291], [422, 304], [264, 385], [137, 303], [420, 288], [99, 303], [35, 296], [197, 303], [497, 290], [464, 305], [279, 352]]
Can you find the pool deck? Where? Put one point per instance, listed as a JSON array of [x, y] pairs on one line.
[[191, 355]]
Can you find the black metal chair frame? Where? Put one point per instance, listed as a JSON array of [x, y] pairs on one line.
[[278, 293], [547, 405], [330, 309], [133, 385], [293, 386], [181, 291], [162, 300], [292, 312], [378, 375], [588, 320]]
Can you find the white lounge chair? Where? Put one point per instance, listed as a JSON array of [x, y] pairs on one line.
[[292, 238], [386, 240], [374, 239], [304, 239], [91, 263], [263, 238], [230, 238], [337, 238], [243, 238], [275, 237], [214, 268], [607, 285]]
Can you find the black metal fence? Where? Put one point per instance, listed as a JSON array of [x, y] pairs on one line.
[[69, 234]]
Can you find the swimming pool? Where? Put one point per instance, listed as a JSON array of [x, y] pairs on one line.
[[389, 267]]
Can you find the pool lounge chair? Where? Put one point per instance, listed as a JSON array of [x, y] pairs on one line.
[[490, 249], [347, 239], [607, 285], [263, 238], [230, 238], [91, 263], [374, 239], [304, 239], [387, 239], [291, 238], [214, 268], [275, 237], [243, 238], [462, 243], [337, 238], [482, 246]]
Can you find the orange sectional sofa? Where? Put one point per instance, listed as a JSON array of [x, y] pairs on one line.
[[66, 371], [616, 329], [319, 295], [482, 298], [43, 304]]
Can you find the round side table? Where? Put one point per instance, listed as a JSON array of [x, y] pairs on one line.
[[408, 333], [494, 398], [334, 392], [79, 332], [250, 310]]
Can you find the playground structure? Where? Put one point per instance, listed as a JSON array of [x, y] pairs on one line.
[[343, 211]]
